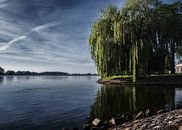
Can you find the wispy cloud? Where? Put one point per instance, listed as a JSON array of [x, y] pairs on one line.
[[5, 46], [31, 40], [3, 5], [2, 1], [41, 27]]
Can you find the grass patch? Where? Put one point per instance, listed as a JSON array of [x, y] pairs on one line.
[[118, 77], [129, 77]]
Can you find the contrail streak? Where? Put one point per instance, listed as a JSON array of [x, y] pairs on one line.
[[5, 47], [35, 29]]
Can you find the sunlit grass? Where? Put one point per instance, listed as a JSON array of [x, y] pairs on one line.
[[117, 77], [129, 77]]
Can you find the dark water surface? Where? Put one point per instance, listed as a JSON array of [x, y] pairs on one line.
[[54, 102]]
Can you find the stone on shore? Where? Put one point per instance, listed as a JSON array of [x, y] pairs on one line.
[[112, 122], [96, 122], [140, 115]]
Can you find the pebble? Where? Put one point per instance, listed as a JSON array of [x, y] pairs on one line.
[[96, 122], [112, 121]]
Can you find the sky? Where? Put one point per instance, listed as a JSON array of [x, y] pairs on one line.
[[48, 35]]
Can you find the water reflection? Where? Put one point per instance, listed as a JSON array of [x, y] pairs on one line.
[[45, 102], [9, 79], [65, 101], [178, 97], [53, 77], [111, 100], [1, 80], [26, 78]]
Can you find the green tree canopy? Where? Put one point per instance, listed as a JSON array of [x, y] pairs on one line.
[[137, 39]]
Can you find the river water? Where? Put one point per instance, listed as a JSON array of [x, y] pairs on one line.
[[54, 102]]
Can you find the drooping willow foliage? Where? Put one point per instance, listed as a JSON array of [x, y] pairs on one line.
[[141, 38]]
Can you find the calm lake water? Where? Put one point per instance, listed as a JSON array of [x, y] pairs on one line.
[[54, 102]]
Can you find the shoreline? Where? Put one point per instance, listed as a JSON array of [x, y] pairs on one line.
[[152, 80], [166, 121], [143, 120]]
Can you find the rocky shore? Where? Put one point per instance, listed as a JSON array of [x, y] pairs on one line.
[[165, 121], [147, 120]]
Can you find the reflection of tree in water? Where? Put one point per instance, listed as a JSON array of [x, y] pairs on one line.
[[155, 97], [113, 100], [53, 77], [89, 77], [1, 80], [26, 78], [9, 78]]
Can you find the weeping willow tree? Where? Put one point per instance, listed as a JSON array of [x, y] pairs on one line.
[[137, 39]]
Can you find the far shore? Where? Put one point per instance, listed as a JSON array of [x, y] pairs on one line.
[[49, 75], [46, 73]]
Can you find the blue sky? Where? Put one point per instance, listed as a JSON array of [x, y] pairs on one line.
[[48, 35]]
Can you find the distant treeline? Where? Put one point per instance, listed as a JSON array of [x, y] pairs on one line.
[[11, 72]]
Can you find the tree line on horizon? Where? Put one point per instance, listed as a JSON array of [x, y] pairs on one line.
[[11, 72], [140, 39]]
